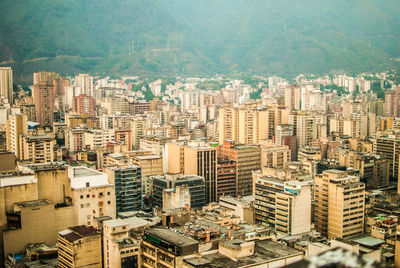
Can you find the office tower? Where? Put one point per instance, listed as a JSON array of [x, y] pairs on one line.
[[43, 98], [247, 160], [128, 187], [137, 132], [175, 157], [195, 183], [389, 148], [85, 83], [79, 246], [83, 104], [293, 208], [339, 204], [6, 84], [119, 249], [17, 125], [150, 164], [29, 111], [201, 160], [92, 194], [44, 77], [124, 137], [226, 177], [36, 149], [293, 98]]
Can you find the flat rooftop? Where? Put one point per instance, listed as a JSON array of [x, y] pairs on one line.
[[85, 172], [171, 237], [264, 251], [33, 203]]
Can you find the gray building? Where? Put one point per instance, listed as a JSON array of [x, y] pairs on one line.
[[128, 187], [170, 181]]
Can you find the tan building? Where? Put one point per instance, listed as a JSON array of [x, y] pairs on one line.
[[35, 204], [293, 208], [6, 84], [175, 157], [36, 149], [120, 250], [176, 198], [201, 159], [165, 248], [242, 207], [247, 125], [43, 98], [339, 204], [97, 138], [92, 195], [17, 125], [79, 246], [150, 164], [397, 247], [273, 155]]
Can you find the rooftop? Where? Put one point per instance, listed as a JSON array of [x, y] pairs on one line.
[[33, 203], [79, 172], [171, 237], [115, 223], [264, 251]]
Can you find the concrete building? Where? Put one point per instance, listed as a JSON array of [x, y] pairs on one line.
[[74, 140], [128, 187], [85, 83], [165, 248], [241, 207], [79, 246], [178, 197], [293, 98], [150, 164], [43, 98], [226, 177], [92, 194], [389, 148], [293, 208], [6, 84], [97, 138], [120, 250], [397, 247], [339, 204], [17, 125], [36, 149], [305, 128], [171, 181], [273, 155]]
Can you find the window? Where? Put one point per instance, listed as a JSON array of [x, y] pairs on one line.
[[81, 196], [88, 217], [87, 205], [108, 193], [108, 202], [87, 196], [87, 184], [101, 194], [82, 205]]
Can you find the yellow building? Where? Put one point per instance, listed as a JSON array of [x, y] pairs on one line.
[[36, 149], [17, 125], [273, 155], [150, 164], [339, 204], [79, 246], [120, 250], [397, 247], [6, 84], [175, 156]]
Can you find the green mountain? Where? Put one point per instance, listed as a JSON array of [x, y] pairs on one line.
[[188, 37]]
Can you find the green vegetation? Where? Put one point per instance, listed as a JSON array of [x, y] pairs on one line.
[[157, 37], [376, 88], [330, 88], [256, 94]]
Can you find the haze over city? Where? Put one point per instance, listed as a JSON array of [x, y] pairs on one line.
[[199, 134]]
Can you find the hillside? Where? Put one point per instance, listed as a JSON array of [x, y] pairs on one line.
[[189, 37]]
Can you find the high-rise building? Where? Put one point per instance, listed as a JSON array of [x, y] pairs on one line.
[[247, 160], [389, 148], [397, 247], [293, 98], [339, 204], [128, 187], [273, 155], [43, 98], [6, 84], [79, 246], [17, 125], [226, 177], [305, 128], [85, 83], [83, 104], [247, 125]]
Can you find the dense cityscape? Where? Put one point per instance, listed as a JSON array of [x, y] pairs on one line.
[[100, 171]]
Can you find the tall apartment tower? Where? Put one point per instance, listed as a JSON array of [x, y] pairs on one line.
[[85, 83], [83, 104], [16, 126], [6, 84], [339, 204], [43, 98], [293, 98]]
